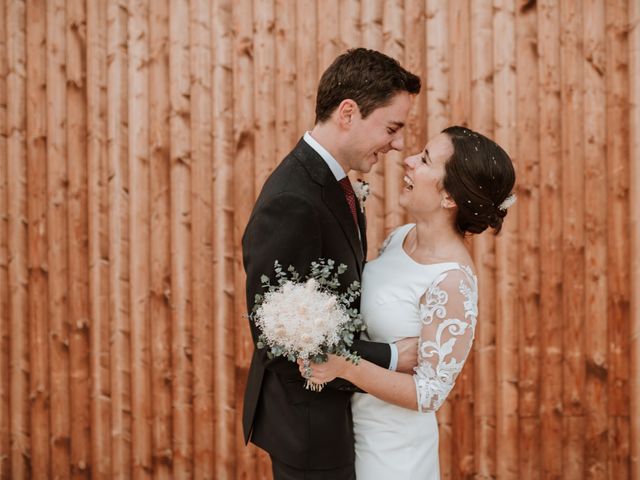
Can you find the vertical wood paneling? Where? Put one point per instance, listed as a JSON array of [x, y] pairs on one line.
[[286, 71], [595, 344], [38, 245], [243, 197], [134, 137], [481, 116], [160, 301], [436, 82], [5, 426], [459, 77], [202, 239], [619, 294], [350, 29], [264, 90], [226, 404], [551, 211], [16, 161], [371, 25], [526, 157], [119, 284], [572, 236], [97, 212], [328, 42], [57, 229], [437, 89], [634, 202], [414, 45], [393, 18], [138, 166], [181, 258], [506, 245], [459, 36], [77, 235], [306, 68]]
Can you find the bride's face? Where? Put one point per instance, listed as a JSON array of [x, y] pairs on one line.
[[424, 172]]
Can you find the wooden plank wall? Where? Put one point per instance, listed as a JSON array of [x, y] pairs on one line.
[[134, 138]]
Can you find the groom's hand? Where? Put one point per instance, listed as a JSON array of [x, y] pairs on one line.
[[407, 354]]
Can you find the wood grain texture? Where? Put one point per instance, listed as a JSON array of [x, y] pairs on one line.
[[634, 201], [40, 389], [160, 240], [98, 241], [77, 224], [527, 155], [134, 138], [506, 248], [139, 223], [551, 312]]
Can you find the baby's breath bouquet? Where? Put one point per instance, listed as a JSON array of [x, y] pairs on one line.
[[307, 318]]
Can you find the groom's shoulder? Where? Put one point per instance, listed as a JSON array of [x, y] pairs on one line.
[[296, 174]]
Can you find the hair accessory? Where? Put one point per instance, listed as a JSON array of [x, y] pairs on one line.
[[508, 202]]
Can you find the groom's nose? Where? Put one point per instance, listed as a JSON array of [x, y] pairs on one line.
[[398, 143]]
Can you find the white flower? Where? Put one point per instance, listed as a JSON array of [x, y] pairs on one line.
[[508, 202], [362, 191], [308, 319], [300, 318]]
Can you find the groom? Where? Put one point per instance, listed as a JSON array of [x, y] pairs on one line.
[[307, 211]]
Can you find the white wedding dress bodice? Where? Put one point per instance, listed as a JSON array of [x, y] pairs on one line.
[[402, 298]]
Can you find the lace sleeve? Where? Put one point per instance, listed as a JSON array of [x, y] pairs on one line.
[[448, 312]]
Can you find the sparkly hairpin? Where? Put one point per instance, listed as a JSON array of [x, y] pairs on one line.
[[508, 202]]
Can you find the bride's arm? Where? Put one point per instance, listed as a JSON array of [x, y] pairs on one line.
[[448, 313]]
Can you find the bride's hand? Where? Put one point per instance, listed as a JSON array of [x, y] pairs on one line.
[[325, 372]]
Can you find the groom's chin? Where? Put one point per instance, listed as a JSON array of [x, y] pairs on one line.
[[366, 165]]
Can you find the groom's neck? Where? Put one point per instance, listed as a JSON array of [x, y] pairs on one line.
[[330, 137]]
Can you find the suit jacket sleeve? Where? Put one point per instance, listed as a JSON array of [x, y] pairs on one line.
[[285, 228]]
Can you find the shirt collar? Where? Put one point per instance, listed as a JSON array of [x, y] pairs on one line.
[[329, 159]]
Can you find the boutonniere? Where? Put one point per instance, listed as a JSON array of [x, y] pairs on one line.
[[362, 191]]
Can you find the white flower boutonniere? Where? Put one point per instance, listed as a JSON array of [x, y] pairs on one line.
[[362, 191]]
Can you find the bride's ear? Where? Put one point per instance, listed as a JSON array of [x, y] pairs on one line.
[[447, 201]]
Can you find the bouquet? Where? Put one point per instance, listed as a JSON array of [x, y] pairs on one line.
[[308, 318]]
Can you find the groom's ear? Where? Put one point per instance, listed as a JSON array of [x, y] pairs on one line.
[[346, 112]]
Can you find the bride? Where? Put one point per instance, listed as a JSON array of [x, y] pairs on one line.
[[423, 284]]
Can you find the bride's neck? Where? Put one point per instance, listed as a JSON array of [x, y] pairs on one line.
[[434, 237]]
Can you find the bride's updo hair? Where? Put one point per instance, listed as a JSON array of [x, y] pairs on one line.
[[479, 176]]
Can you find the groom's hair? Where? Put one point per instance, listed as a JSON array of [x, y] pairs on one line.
[[369, 78]]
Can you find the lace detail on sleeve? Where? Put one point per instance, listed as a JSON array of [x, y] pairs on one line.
[[448, 311]]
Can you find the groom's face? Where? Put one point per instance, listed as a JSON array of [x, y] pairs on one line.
[[379, 132]]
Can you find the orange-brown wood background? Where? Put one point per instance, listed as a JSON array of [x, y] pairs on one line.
[[134, 137]]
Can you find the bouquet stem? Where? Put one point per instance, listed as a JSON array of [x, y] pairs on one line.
[[314, 387], [309, 385]]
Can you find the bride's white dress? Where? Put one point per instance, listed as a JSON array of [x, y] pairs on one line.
[[402, 298]]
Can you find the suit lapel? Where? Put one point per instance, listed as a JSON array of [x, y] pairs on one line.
[[333, 197], [362, 223]]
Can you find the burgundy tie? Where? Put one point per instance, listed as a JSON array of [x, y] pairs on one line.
[[350, 196]]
